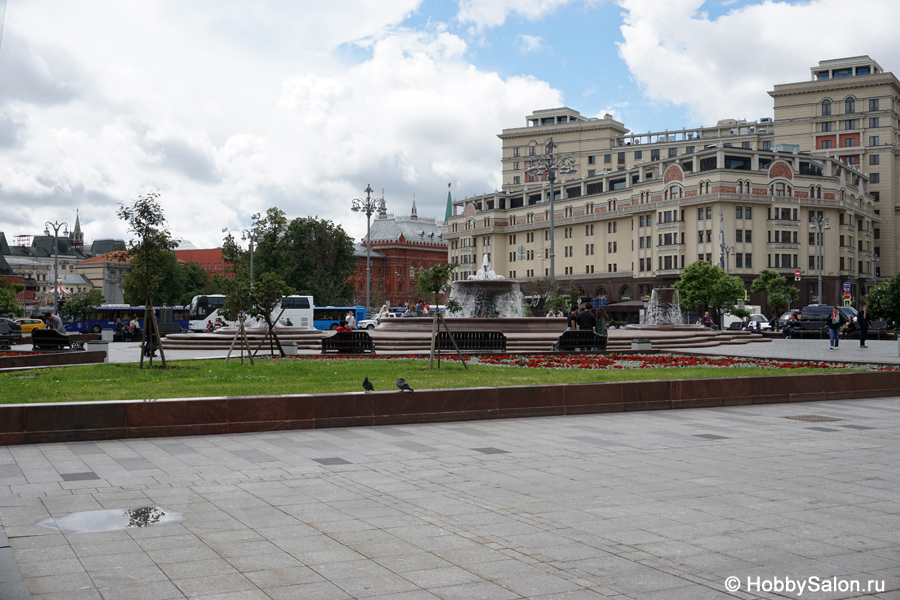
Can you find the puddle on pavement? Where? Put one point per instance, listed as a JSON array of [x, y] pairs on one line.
[[112, 520]]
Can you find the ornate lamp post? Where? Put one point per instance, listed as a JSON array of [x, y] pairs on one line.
[[56, 226], [248, 234], [551, 165], [368, 205], [819, 224], [724, 251]]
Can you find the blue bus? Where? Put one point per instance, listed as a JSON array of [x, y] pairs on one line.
[[329, 317], [104, 317]]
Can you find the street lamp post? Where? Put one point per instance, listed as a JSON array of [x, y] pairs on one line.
[[874, 270], [56, 226], [819, 224], [248, 234], [724, 250], [368, 205], [551, 165]]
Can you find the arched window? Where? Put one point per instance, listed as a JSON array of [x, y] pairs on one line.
[[455, 227], [826, 107], [850, 105], [589, 208], [843, 195], [625, 293], [601, 292]]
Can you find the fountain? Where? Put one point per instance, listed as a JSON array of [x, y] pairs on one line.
[[487, 295], [664, 307]]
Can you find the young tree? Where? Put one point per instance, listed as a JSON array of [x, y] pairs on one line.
[[778, 293], [545, 294], [434, 281], [147, 255], [320, 260], [707, 286], [8, 292]]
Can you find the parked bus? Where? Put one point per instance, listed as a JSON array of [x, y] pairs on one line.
[[329, 317], [207, 308], [104, 317]]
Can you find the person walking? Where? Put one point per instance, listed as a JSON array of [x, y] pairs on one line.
[[834, 327], [863, 322]]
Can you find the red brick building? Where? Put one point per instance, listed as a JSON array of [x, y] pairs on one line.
[[400, 248], [210, 260]]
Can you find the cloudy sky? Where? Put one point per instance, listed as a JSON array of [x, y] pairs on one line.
[[230, 107]]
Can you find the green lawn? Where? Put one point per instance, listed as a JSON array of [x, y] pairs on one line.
[[188, 379]]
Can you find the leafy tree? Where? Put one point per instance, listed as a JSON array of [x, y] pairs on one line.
[[83, 305], [434, 281], [884, 301], [778, 293], [147, 255], [178, 283], [320, 260], [8, 292], [546, 294], [708, 286]]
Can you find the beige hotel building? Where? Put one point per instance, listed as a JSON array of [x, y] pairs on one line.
[[641, 207]]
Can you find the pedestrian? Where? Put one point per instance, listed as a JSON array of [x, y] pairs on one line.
[[551, 313], [418, 309], [351, 320], [209, 327], [135, 328], [56, 324], [385, 311], [586, 320], [572, 319], [343, 326], [118, 330], [289, 324], [863, 322], [834, 327], [706, 320]]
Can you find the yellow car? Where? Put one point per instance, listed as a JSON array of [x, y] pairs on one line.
[[29, 324]]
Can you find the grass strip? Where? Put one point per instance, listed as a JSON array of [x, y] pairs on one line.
[[193, 379]]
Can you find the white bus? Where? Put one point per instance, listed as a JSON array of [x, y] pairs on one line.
[[206, 308]]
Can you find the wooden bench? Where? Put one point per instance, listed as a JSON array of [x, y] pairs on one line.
[[470, 342], [580, 340], [877, 330], [49, 339], [348, 342]]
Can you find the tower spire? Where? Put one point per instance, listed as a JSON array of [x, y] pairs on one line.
[[413, 215]]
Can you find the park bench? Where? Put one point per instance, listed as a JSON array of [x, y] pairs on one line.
[[470, 342], [584, 340], [348, 342], [49, 339], [811, 329], [877, 330]]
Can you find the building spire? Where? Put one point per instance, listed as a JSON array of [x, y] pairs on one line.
[[77, 236], [413, 215], [382, 207], [449, 212]]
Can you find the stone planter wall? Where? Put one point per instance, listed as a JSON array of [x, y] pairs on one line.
[[36, 423]]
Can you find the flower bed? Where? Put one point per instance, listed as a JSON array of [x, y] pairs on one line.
[[623, 361]]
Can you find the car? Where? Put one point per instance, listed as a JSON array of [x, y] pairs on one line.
[[372, 323], [822, 312], [786, 316], [30, 324], [10, 331]]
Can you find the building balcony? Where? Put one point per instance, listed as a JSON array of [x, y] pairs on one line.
[[673, 226], [781, 223], [782, 246]]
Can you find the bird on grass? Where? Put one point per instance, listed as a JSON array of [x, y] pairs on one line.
[[367, 385], [404, 387]]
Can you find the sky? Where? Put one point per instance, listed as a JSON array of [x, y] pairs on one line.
[[229, 108]]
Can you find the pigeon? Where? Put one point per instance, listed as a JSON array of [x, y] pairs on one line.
[[404, 387], [367, 385]]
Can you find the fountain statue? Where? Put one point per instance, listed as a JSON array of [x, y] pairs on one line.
[[487, 295], [664, 307]]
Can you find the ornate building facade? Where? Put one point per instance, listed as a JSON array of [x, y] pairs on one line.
[[641, 207]]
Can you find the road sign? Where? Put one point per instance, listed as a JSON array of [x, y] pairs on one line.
[[797, 274], [846, 286], [846, 295], [846, 302]]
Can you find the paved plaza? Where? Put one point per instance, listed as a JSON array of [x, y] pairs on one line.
[[644, 505]]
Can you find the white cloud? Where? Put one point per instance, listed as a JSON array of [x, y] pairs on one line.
[[529, 43], [232, 108], [493, 13], [723, 68]]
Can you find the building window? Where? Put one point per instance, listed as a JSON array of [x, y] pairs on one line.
[[607, 158], [873, 140], [673, 152], [592, 160], [873, 159], [739, 261], [826, 144], [767, 145], [826, 126], [654, 154], [875, 178], [873, 122], [826, 107], [873, 104], [850, 124], [745, 145], [849, 142], [517, 180], [638, 154], [850, 105]]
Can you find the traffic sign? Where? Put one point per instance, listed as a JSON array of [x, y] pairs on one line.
[[797, 274], [846, 303], [846, 295], [846, 286]]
